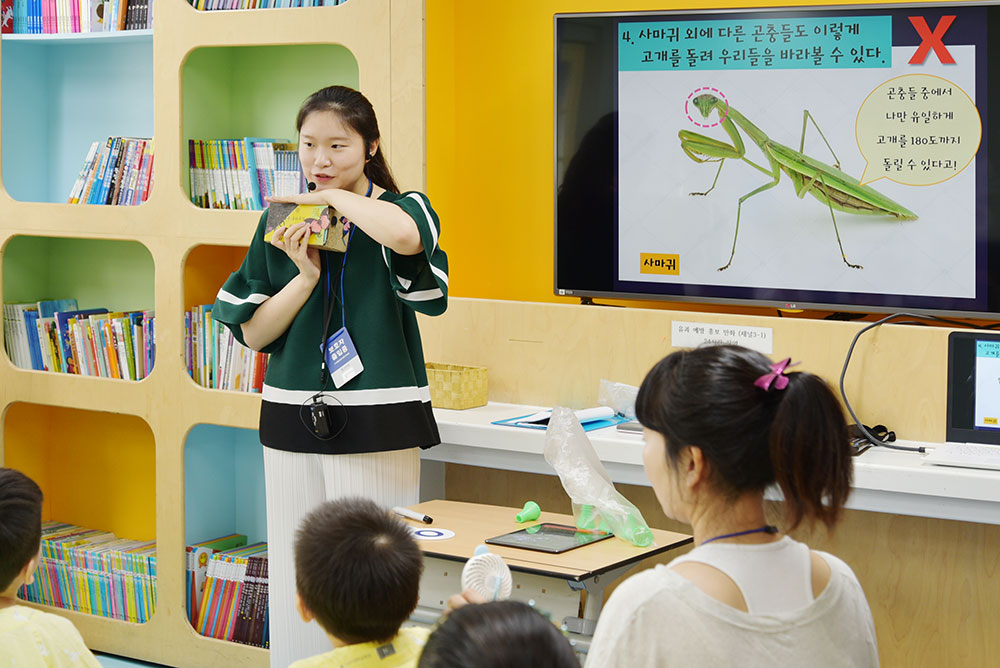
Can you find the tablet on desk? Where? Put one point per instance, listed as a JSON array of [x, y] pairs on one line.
[[549, 537], [973, 387]]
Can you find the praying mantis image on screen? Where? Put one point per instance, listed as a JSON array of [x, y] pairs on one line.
[[809, 176]]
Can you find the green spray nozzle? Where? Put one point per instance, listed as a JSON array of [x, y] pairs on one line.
[[531, 511]]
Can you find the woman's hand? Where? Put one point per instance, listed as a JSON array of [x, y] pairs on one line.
[[294, 241]]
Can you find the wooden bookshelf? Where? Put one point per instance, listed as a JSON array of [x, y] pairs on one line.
[[176, 83], [62, 93]]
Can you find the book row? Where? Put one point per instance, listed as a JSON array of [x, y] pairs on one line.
[[214, 357], [261, 4], [227, 590], [55, 335], [116, 171], [94, 571], [242, 173], [74, 16]]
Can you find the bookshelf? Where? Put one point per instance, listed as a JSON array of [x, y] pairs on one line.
[[203, 75], [228, 80], [68, 93], [88, 269], [45, 443], [223, 484]]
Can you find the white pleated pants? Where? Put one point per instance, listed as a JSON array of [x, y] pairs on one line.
[[295, 484]]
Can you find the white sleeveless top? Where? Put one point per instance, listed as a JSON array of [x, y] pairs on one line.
[[773, 577], [659, 619]]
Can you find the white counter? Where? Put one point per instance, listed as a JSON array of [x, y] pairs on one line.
[[885, 481]]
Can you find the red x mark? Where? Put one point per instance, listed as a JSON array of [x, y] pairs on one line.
[[931, 40]]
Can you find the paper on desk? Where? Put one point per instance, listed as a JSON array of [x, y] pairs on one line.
[[590, 418]]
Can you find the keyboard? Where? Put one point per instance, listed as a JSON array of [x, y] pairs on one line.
[[967, 455]]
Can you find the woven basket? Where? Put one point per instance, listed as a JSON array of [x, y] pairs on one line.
[[456, 386]]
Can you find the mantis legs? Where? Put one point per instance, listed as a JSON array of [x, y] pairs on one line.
[[802, 143], [809, 176]]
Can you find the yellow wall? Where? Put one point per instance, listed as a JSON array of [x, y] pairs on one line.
[[72, 453], [490, 139]]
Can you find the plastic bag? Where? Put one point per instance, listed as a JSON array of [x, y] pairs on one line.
[[596, 502], [619, 396]]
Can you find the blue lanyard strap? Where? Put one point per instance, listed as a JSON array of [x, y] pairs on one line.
[[327, 305], [343, 295], [768, 528]]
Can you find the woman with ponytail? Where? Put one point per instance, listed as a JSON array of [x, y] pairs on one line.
[[345, 405], [721, 424]]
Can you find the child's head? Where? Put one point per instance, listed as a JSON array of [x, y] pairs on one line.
[[357, 570], [750, 436], [20, 524], [500, 634], [356, 114]]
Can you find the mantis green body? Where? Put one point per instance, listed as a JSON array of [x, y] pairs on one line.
[[824, 182]]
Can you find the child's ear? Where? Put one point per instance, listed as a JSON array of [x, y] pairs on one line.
[[28, 572], [304, 612]]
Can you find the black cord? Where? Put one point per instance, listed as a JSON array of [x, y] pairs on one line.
[[864, 430], [319, 396], [875, 440]]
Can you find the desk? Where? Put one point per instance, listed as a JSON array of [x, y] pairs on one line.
[[886, 481], [569, 586]]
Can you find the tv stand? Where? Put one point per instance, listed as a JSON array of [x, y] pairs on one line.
[[589, 301]]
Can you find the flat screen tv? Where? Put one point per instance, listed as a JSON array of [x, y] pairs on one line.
[[797, 157]]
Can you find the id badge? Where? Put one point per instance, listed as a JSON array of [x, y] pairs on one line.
[[342, 357]]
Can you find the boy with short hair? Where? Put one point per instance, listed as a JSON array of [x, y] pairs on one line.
[[29, 637], [357, 571]]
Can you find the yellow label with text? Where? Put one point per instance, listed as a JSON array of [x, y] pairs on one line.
[[989, 420], [660, 263]]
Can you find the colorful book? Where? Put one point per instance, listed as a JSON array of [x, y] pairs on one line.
[[252, 147], [225, 587], [47, 308], [71, 361], [29, 321], [328, 230], [15, 340], [81, 179], [119, 172], [198, 556], [45, 328], [95, 572]]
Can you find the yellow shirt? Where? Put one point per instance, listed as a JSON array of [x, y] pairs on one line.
[[34, 639], [403, 651]]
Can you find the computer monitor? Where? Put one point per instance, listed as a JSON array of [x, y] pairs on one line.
[[877, 199], [974, 387]]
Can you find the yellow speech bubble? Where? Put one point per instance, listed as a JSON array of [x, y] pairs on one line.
[[917, 129]]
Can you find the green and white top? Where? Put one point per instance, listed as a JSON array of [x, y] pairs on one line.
[[386, 407]]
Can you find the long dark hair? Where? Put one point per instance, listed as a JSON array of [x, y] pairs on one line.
[[500, 634], [357, 113], [752, 437]]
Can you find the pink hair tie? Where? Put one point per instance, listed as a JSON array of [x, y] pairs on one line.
[[776, 376]]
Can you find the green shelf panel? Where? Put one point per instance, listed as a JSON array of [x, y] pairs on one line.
[[255, 91], [117, 275]]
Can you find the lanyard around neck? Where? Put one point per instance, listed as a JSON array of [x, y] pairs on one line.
[[767, 528], [328, 302]]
